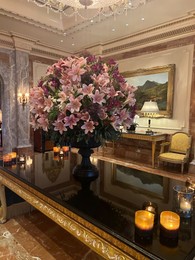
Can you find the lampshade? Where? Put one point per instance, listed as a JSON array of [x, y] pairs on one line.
[[150, 108]]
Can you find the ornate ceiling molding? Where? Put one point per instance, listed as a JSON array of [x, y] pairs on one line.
[[152, 39]]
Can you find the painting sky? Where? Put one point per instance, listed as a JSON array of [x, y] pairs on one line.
[[140, 80]]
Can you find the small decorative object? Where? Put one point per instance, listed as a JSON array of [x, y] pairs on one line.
[[183, 200], [169, 227], [132, 127], [151, 207], [144, 223], [82, 98]]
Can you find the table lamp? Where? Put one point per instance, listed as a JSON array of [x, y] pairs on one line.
[[150, 109]]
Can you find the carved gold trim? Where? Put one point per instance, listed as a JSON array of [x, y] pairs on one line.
[[95, 238]]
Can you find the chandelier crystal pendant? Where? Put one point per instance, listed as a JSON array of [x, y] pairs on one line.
[[89, 9]]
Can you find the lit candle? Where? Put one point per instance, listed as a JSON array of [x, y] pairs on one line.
[[7, 159], [56, 150], [65, 149], [185, 205], [169, 227], [144, 220], [169, 220]]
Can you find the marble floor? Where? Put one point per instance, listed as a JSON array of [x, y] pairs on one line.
[[33, 236]]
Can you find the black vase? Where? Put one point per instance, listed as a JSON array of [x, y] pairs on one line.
[[86, 172]]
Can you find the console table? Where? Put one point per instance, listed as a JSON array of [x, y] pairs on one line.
[[153, 138], [103, 219]]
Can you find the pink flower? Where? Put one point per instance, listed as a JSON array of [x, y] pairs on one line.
[[76, 72], [88, 127], [74, 104], [80, 97], [59, 126], [71, 121], [62, 97], [48, 104], [87, 89], [98, 97], [85, 116], [43, 122]]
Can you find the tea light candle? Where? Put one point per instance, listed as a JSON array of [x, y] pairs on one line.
[[144, 220], [185, 205]]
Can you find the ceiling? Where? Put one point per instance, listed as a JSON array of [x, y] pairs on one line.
[[24, 18]]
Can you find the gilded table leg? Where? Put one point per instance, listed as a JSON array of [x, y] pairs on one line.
[[3, 206], [153, 153]]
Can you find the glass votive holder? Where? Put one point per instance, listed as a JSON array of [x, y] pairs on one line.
[[144, 223], [169, 228], [183, 201]]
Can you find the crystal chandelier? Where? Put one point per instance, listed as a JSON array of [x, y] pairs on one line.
[[89, 9]]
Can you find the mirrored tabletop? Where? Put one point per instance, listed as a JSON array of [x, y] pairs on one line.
[[112, 200]]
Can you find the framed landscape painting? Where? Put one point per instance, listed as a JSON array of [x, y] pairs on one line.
[[155, 84]]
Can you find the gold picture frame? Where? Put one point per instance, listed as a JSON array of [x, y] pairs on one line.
[[156, 84]]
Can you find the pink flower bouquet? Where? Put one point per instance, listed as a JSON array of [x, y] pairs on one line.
[[80, 98]]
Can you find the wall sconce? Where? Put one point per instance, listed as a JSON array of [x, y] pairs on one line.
[[23, 98]]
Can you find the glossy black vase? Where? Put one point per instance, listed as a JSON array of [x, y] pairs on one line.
[[86, 172]]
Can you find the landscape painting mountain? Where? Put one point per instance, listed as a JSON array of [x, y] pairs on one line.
[[150, 87], [152, 90]]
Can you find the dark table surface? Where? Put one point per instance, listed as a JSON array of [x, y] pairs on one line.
[[112, 200]]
